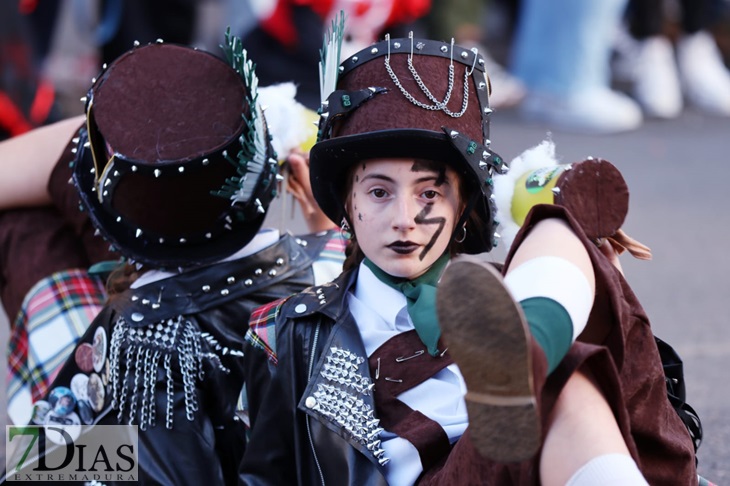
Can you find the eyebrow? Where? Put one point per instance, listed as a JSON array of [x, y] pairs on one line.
[[386, 178]]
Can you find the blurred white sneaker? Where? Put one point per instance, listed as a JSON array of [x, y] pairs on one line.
[[656, 79], [507, 90], [705, 78], [597, 111]]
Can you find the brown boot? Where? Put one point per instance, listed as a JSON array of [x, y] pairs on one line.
[[487, 336]]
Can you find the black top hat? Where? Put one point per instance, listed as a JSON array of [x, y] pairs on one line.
[[410, 98], [175, 165]]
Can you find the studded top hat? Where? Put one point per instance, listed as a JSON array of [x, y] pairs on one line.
[[175, 164], [407, 98]]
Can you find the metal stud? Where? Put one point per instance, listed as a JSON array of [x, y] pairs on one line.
[[279, 261], [374, 50], [138, 233], [206, 288], [137, 317], [396, 45], [134, 168], [224, 292], [231, 280], [464, 54], [300, 309], [354, 58], [157, 172], [272, 273], [258, 272], [181, 169], [444, 49], [248, 282], [206, 161]]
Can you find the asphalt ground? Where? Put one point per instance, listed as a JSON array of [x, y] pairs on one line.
[[676, 172]]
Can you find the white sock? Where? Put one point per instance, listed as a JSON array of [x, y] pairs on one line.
[[608, 470], [557, 279]]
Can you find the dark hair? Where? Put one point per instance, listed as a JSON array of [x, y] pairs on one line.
[[121, 278], [353, 253]]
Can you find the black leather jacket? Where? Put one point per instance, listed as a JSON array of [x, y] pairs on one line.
[[314, 421], [195, 436]]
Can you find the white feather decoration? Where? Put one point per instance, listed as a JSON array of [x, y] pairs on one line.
[[540, 156], [286, 118]]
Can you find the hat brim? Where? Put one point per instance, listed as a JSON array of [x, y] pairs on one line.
[[146, 248]]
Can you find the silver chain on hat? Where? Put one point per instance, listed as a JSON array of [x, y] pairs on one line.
[[438, 105]]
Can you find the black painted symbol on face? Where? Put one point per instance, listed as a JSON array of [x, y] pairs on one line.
[[423, 165], [359, 216], [421, 219]]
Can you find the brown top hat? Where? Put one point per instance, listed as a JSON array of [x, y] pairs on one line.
[[410, 98], [175, 164]]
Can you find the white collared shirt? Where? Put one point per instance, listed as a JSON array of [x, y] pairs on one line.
[[381, 313]]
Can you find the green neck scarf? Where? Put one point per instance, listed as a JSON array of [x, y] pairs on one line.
[[421, 297]]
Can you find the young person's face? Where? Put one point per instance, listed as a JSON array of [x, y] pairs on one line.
[[404, 212]]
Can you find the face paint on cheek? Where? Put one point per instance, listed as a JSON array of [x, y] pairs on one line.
[[421, 219], [359, 216]]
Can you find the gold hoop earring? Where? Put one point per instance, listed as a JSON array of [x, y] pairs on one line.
[[463, 236]]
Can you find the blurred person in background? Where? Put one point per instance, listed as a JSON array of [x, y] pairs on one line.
[[670, 56], [561, 53], [287, 35], [466, 21], [26, 96]]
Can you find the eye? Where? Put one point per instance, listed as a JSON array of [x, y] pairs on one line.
[[430, 194], [379, 193]]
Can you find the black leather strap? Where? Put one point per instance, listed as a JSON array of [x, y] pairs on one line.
[[200, 289]]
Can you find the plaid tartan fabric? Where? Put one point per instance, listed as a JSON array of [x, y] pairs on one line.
[[327, 266], [262, 329], [334, 249], [54, 315]]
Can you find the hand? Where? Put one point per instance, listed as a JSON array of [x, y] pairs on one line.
[[611, 250], [300, 187]]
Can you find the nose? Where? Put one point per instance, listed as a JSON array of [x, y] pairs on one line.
[[405, 210]]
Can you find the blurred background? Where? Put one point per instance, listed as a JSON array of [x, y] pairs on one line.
[[644, 84]]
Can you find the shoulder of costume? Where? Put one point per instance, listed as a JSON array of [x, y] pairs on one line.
[[328, 245], [261, 332], [328, 300]]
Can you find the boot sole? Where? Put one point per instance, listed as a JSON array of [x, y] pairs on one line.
[[487, 337]]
